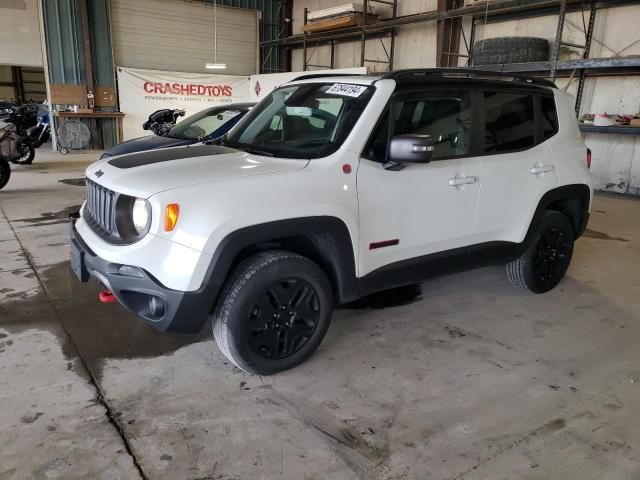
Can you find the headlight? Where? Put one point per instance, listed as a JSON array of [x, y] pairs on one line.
[[141, 215], [133, 217]]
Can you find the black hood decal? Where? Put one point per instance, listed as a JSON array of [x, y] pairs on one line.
[[165, 155]]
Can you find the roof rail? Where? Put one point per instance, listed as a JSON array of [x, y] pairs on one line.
[[443, 72], [320, 75]]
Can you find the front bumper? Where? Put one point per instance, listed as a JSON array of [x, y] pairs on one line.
[[164, 308]]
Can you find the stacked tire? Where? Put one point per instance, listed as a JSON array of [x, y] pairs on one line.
[[501, 50]]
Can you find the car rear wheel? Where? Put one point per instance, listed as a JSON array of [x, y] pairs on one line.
[[273, 313], [541, 267]]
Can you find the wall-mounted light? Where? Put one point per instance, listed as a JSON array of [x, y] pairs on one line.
[[216, 66]]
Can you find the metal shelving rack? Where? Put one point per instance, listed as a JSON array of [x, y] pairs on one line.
[[483, 11], [617, 130], [585, 66], [366, 9]]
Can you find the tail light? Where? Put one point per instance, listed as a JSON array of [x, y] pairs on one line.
[[588, 158]]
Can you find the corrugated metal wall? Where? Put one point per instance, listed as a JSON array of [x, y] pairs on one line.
[[65, 49], [100, 31], [63, 33]]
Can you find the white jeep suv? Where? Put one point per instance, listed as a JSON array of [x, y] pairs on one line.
[[332, 188]]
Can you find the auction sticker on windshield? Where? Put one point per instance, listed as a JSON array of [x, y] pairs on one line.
[[346, 89]]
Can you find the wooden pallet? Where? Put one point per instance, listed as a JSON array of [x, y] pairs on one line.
[[334, 23]]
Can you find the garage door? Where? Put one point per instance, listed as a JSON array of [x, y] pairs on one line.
[[20, 42], [177, 36]]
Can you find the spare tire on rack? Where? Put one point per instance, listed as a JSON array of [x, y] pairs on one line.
[[500, 50]]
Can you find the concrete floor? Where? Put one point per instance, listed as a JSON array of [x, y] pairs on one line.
[[461, 378]]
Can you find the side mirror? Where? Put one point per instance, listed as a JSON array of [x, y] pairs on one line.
[[409, 149]]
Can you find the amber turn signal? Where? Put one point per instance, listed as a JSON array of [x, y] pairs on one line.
[[171, 214]]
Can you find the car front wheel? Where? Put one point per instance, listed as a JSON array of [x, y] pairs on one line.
[[273, 313], [541, 267]]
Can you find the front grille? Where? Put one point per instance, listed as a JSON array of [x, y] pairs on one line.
[[100, 209]]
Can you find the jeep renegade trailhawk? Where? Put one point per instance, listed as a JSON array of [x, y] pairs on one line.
[[332, 188]]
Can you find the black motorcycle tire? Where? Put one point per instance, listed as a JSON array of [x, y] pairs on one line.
[[5, 173], [27, 158]]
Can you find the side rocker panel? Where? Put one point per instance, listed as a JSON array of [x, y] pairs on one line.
[[573, 200]]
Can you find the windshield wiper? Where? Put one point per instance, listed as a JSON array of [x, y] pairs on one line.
[[216, 141], [258, 152]]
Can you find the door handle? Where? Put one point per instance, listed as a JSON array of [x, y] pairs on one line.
[[455, 182], [539, 169]]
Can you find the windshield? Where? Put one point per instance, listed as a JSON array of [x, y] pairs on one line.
[[310, 120], [203, 124]]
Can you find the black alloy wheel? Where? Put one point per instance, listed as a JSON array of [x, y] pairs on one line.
[[547, 257], [283, 320], [273, 313], [552, 256]]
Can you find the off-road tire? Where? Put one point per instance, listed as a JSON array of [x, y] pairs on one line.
[[5, 173], [233, 326], [501, 50], [525, 271]]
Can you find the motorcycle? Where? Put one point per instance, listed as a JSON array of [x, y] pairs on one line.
[[23, 117], [161, 121], [41, 132], [5, 172], [5, 108], [9, 139]]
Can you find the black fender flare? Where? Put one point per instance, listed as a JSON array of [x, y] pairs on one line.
[[579, 211], [325, 239]]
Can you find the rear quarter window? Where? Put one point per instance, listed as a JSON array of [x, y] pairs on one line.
[[509, 122], [549, 116]]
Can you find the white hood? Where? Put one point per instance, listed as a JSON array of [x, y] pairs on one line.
[[144, 174]]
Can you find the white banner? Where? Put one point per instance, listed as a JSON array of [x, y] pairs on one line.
[[263, 84], [141, 92]]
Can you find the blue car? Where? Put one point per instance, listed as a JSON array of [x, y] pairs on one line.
[[208, 124]]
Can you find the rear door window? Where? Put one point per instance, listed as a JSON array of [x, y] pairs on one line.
[[509, 122]]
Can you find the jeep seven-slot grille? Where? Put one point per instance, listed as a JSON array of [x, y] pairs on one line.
[[100, 209]]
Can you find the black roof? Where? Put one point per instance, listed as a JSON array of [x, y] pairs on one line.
[[418, 74], [471, 73]]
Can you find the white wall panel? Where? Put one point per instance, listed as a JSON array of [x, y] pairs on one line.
[[615, 165]]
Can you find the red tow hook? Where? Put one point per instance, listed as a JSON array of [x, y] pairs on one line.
[[107, 296]]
